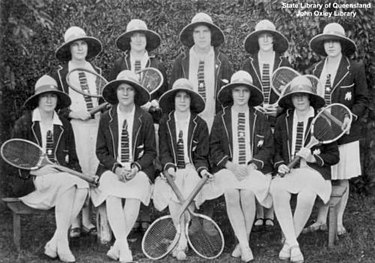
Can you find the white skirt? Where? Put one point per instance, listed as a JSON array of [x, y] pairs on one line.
[[49, 187], [350, 163], [109, 185], [303, 178], [256, 182]]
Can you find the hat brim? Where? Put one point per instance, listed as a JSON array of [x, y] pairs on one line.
[[315, 100], [226, 98], [186, 34], [153, 39], [63, 100], [280, 42], [94, 48], [110, 95], [167, 102], [348, 46]]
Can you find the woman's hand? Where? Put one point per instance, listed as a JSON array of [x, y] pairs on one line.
[[80, 115], [282, 170], [305, 153]]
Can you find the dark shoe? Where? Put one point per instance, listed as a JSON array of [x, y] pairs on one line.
[[268, 222], [75, 232], [145, 225], [89, 231]]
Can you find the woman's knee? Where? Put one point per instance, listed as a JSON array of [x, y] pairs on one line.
[[232, 197], [247, 195]]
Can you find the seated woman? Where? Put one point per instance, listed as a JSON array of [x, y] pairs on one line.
[[241, 147], [183, 151], [126, 149], [61, 190], [313, 175]]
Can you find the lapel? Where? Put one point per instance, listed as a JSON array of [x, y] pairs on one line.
[[185, 64], [57, 134], [171, 125], [277, 63], [217, 69], [342, 71], [317, 71], [252, 120], [255, 65], [127, 60], [113, 129], [191, 131], [137, 125], [227, 122], [35, 127], [62, 72], [289, 130]]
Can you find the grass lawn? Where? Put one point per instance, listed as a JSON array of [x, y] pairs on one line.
[[356, 246]]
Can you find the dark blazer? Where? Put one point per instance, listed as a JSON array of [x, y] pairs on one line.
[[123, 63], [325, 154], [251, 65], [60, 76], [64, 144], [221, 144], [349, 88], [198, 139], [143, 142], [223, 71]]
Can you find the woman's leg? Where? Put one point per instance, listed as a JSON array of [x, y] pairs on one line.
[[248, 209], [342, 205], [305, 203], [130, 213]]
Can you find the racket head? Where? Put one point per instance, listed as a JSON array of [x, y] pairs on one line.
[[205, 236], [151, 79], [72, 79], [160, 238], [327, 126], [23, 154], [281, 77]]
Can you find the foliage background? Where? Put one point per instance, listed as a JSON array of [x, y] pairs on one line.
[[31, 30]]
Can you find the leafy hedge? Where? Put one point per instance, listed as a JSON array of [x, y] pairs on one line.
[[32, 30]]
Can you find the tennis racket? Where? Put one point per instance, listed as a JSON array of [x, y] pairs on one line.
[[327, 127], [151, 79], [204, 235], [78, 75], [280, 79], [162, 236], [27, 155]]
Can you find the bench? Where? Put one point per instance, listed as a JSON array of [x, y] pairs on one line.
[[337, 192], [18, 208]]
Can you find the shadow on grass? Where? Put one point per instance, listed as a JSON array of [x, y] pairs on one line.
[[356, 246]]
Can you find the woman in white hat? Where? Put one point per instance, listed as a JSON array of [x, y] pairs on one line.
[[183, 151], [241, 149], [137, 45], [75, 52], [344, 82], [266, 46], [311, 178], [126, 149], [65, 192]]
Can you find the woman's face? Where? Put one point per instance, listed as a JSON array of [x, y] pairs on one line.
[[79, 49], [301, 101], [125, 94], [332, 48], [182, 101], [47, 102], [265, 41], [138, 42], [241, 95], [202, 37]]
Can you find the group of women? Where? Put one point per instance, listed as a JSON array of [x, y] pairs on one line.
[[205, 126]]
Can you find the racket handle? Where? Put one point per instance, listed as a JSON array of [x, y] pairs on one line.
[[90, 179], [98, 108], [294, 162]]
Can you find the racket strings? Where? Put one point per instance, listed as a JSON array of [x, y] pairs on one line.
[[22, 154], [159, 238], [205, 237]]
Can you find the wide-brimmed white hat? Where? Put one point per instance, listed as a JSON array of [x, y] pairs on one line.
[[138, 26], [186, 35], [240, 78], [47, 84], [332, 31], [126, 76], [301, 84], [280, 42], [75, 33], [167, 102]]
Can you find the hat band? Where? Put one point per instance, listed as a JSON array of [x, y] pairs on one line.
[[301, 88], [266, 28], [335, 33], [242, 81], [45, 88]]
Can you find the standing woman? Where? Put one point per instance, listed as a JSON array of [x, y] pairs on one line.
[[266, 46], [241, 148], [126, 149], [74, 53], [344, 82], [136, 45], [65, 192], [311, 177]]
